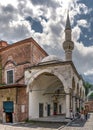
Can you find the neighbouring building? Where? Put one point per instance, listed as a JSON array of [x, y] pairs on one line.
[[54, 86], [14, 58]]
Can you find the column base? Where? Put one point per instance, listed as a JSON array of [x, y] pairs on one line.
[[67, 117]]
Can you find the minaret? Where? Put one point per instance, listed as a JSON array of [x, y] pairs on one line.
[[68, 45]]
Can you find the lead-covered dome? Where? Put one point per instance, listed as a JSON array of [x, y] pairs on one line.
[[51, 58]]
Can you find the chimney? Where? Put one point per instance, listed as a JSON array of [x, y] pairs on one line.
[[3, 44]]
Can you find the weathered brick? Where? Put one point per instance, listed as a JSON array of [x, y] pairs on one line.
[[18, 56]]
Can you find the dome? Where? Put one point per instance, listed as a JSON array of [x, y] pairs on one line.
[[51, 58]]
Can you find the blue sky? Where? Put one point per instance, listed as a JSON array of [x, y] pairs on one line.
[[44, 20]]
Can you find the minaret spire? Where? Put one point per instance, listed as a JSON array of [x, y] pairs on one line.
[[68, 26], [68, 45]]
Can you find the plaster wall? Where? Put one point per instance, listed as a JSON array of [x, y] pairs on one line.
[[36, 97]]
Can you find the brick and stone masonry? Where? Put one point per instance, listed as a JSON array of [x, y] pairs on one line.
[[17, 57]]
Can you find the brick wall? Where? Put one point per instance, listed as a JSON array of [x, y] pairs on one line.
[[17, 57], [21, 55], [22, 104]]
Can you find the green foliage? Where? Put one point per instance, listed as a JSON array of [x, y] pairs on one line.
[[87, 86], [90, 96], [78, 109]]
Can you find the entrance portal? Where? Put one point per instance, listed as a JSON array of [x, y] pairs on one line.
[[55, 108], [8, 109], [9, 117]]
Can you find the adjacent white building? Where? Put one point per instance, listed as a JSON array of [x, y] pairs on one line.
[[54, 85]]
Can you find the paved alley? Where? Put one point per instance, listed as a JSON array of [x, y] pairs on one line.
[[74, 125], [80, 124]]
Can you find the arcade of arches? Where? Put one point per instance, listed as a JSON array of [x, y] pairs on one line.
[[54, 88]]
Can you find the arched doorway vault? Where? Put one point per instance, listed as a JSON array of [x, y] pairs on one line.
[[35, 76], [47, 94]]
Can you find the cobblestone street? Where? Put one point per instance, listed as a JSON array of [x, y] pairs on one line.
[[74, 125]]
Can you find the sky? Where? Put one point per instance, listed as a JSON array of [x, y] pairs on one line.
[[44, 21]]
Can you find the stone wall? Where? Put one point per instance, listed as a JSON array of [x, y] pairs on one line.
[[6, 95]]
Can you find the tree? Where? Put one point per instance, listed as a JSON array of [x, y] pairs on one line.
[[90, 96], [87, 86]]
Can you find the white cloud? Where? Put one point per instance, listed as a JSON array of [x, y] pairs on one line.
[[76, 31], [53, 22], [12, 2], [88, 72], [83, 23], [84, 51]]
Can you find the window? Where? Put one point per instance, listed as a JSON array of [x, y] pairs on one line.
[[10, 77]]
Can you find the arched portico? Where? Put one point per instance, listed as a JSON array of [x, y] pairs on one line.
[[52, 89], [48, 94], [34, 76]]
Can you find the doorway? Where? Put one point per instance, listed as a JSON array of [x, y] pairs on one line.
[[9, 117], [8, 107], [48, 109], [55, 108], [40, 109]]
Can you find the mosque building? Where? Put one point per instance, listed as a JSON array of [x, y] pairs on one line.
[[54, 86], [34, 84]]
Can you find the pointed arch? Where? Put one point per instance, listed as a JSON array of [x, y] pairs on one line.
[[54, 72], [9, 61]]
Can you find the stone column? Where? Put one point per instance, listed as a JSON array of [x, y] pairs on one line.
[[78, 102], [82, 102], [81, 105], [71, 101], [74, 105], [67, 105]]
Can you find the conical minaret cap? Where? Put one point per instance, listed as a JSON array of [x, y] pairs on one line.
[[68, 26]]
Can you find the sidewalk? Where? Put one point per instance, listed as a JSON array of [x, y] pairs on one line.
[[45, 123], [80, 124], [32, 126], [74, 125]]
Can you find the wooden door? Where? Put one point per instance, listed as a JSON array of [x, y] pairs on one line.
[[40, 109]]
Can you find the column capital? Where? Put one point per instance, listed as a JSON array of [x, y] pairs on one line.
[[67, 90]]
